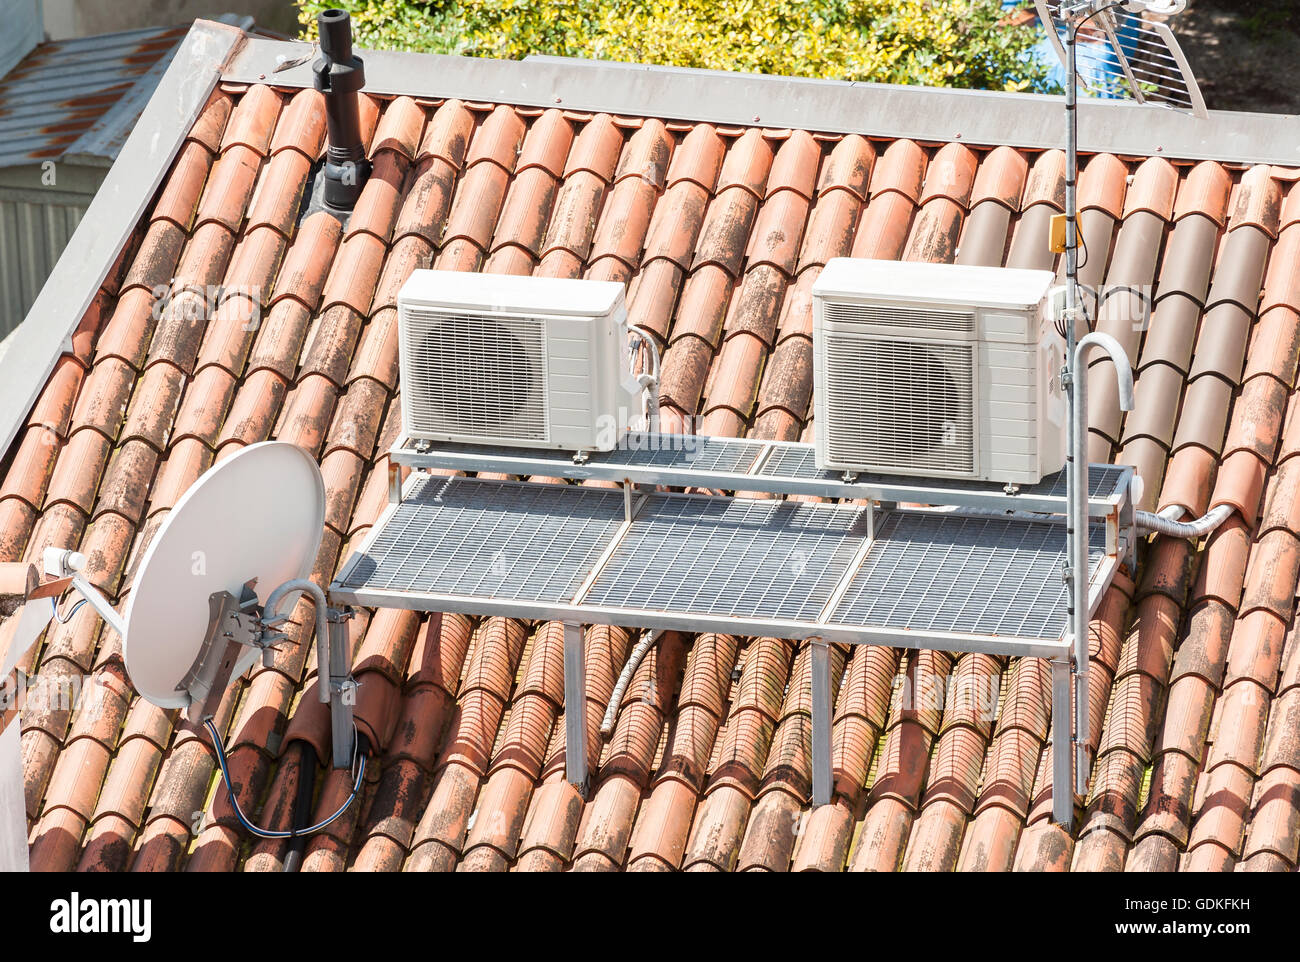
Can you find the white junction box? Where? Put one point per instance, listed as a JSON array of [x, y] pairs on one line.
[[522, 361], [937, 370]]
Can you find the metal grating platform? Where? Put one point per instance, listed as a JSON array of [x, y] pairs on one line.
[[499, 539], [975, 575], [948, 580], [763, 559], [736, 464], [831, 573]]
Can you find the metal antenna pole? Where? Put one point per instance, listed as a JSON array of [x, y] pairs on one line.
[[1063, 742], [1076, 458], [1077, 476]]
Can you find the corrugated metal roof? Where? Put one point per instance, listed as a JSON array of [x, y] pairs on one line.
[[81, 97]]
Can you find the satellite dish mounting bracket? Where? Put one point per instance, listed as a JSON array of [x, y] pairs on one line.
[[234, 626]]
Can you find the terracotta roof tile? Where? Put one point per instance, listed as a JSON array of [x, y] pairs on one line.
[[278, 192], [747, 163], [848, 166], [354, 275], [900, 168], [1256, 201], [526, 211], [1204, 191], [210, 126], [253, 120], [377, 207], [1046, 181], [830, 228], [884, 226], [1103, 184], [156, 260], [621, 230]]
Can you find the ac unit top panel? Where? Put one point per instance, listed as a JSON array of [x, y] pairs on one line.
[[920, 283], [510, 294]]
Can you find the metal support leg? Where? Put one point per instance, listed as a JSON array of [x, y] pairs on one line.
[[821, 723], [575, 708], [1081, 723], [343, 690], [1062, 775]]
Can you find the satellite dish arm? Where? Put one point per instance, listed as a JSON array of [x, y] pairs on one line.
[[64, 563], [273, 617]]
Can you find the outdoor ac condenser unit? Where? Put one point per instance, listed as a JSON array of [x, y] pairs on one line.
[[937, 370], [521, 361]]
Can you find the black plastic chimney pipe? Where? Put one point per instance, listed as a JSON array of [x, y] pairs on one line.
[[339, 75]]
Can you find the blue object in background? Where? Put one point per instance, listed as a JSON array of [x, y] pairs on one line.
[[1098, 65]]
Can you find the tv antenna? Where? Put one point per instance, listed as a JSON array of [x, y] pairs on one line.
[[1131, 54], [212, 594]]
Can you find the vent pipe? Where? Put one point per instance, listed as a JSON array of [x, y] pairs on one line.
[[339, 76]]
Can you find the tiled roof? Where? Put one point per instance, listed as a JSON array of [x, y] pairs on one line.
[[81, 95], [1195, 689]]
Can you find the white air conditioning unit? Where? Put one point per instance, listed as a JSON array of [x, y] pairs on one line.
[[522, 361], [937, 370]]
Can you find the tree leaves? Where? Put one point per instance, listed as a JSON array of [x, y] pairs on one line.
[[939, 43]]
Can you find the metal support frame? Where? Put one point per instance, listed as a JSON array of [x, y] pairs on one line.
[[1077, 541], [819, 632], [342, 687], [334, 680], [1062, 737], [575, 708], [822, 775], [1075, 378], [758, 475], [578, 610]]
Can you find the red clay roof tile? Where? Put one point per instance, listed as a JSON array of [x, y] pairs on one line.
[[884, 226], [1256, 201], [1046, 181], [848, 167], [1103, 184], [1204, 190], [229, 187], [279, 189]]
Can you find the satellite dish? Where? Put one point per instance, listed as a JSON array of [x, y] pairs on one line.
[[253, 520]]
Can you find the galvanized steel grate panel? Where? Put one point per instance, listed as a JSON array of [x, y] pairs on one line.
[[799, 461], [747, 558], [686, 451], [944, 572], [494, 539], [1104, 481]]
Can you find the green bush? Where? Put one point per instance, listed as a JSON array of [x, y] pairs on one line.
[[938, 43]]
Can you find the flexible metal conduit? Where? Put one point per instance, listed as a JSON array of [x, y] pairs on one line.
[[625, 678], [1166, 522], [649, 382]]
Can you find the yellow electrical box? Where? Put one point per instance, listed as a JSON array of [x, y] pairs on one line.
[[1057, 240]]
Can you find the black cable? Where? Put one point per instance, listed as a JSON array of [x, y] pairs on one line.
[[307, 763], [359, 763]]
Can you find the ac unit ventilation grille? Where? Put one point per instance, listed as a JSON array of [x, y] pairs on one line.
[[901, 405], [874, 314], [477, 376]]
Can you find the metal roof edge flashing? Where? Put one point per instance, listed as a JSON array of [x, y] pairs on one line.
[[1029, 121], [37, 343]]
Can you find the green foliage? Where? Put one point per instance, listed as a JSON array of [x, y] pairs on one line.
[[938, 43]]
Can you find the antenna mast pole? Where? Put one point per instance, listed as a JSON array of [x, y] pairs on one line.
[[1070, 761]]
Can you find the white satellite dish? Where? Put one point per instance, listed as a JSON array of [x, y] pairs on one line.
[[254, 518], [211, 591]]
